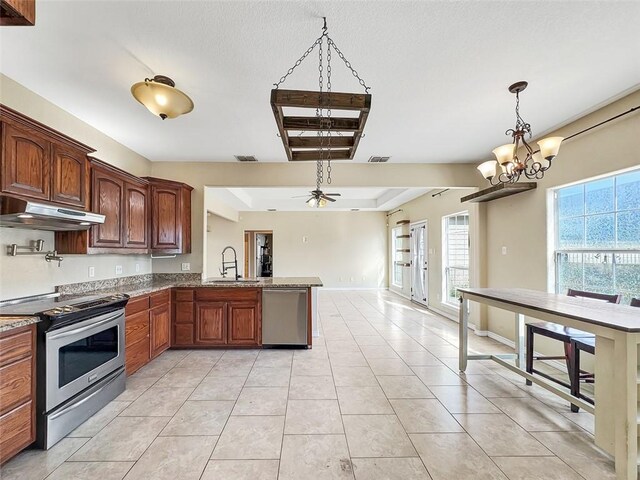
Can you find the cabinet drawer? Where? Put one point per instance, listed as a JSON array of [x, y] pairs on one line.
[[159, 298], [137, 304], [15, 384], [136, 327], [183, 295], [215, 294], [17, 430], [137, 355], [14, 346]]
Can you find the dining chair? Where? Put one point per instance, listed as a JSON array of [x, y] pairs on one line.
[[635, 302], [565, 335]]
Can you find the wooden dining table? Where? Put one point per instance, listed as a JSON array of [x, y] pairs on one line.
[[617, 331]]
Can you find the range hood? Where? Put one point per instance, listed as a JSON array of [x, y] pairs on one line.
[[19, 213]]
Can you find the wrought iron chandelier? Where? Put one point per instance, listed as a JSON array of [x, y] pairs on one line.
[[508, 167], [331, 140]]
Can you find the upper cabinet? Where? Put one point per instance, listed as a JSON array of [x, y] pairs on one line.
[[41, 164], [124, 201], [170, 216], [18, 12]]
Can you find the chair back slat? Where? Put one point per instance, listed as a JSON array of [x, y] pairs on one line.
[[635, 302], [595, 296]]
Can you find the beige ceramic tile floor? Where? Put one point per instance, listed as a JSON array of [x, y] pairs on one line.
[[378, 397]]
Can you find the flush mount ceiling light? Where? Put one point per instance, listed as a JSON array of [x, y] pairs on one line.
[[161, 97], [509, 168]]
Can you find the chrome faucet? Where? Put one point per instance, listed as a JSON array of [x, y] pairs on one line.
[[234, 263]]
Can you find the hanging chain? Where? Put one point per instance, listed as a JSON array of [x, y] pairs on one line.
[[348, 64], [328, 111], [298, 62], [319, 166]]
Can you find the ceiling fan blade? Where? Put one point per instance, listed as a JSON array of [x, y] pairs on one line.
[[328, 198], [300, 196], [333, 194]]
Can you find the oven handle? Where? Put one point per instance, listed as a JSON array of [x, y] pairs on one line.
[[75, 331], [70, 408]]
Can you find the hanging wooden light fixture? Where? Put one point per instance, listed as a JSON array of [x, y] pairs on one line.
[[336, 138]]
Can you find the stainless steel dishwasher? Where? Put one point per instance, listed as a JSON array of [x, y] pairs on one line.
[[284, 316]]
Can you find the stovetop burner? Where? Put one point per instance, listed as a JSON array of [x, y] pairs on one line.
[[57, 312]]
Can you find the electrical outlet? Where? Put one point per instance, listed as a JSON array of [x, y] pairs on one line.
[[305, 239], [186, 267], [92, 272], [504, 250], [137, 267], [118, 269]]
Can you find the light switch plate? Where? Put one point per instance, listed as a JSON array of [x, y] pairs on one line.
[[92, 272], [186, 267], [118, 269], [137, 267], [504, 250]]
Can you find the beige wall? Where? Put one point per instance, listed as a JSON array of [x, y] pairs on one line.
[[345, 249], [200, 175], [30, 275], [432, 209], [520, 222]]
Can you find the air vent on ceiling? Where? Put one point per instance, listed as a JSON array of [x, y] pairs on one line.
[[246, 158], [378, 159], [355, 209], [271, 209]]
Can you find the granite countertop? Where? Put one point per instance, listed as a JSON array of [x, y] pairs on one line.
[[9, 322], [151, 283]]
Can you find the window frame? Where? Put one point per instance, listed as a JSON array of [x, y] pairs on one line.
[[553, 238], [445, 298]]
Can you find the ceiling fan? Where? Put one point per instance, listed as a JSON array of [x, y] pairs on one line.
[[319, 198]]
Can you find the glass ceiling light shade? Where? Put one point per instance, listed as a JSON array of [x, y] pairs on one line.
[[161, 97], [534, 164], [488, 169], [549, 147], [504, 154]]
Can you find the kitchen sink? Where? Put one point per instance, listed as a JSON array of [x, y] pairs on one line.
[[232, 280]]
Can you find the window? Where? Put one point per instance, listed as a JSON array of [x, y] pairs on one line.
[[396, 244], [455, 255], [597, 236]]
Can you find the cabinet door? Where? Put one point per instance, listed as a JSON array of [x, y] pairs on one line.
[[211, 323], [166, 223], [107, 196], [136, 216], [243, 323], [69, 176], [160, 322], [26, 163]]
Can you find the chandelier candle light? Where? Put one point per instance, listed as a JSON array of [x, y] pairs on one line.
[[508, 167], [161, 97]]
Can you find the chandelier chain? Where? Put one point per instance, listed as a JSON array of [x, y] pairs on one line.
[[328, 111], [299, 61], [348, 64]]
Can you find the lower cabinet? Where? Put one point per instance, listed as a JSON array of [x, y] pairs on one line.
[[17, 390], [147, 328], [217, 317]]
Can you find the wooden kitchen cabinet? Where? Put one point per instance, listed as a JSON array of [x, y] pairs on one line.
[[42, 164], [69, 176], [17, 390], [217, 317], [18, 12], [160, 322], [26, 163], [170, 216], [124, 200], [211, 323]]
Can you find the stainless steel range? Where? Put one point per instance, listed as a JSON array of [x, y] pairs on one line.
[[80, 358]]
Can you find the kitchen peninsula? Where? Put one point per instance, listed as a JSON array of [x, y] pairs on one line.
[[184, 311]]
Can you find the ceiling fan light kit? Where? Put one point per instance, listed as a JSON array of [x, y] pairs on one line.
[[161, 97], [508, 167]]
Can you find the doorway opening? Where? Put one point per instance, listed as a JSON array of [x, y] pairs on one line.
[[258, 253]]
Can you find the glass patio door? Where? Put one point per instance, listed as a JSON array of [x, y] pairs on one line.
[[419, 264]]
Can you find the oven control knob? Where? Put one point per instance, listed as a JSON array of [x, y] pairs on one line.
[[67, 308], [56, 310]]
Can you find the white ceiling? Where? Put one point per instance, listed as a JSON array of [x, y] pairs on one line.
[[292, 199], [439, 71]]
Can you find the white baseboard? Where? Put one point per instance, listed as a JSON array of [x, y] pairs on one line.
[[356, 288]]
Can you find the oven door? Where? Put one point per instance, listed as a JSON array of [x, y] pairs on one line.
[[79, 355]]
